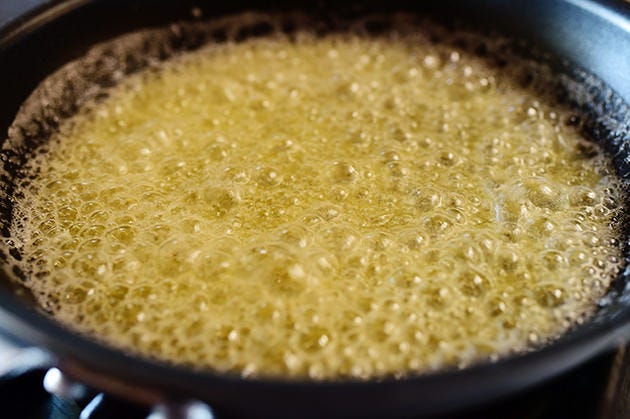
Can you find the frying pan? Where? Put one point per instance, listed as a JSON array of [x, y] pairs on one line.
[[578, 36]]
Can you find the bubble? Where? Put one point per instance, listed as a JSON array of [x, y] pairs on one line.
[[237, 175], [390, 156], [427, 199], [582, 196], [339, 193], [340, 238], [123, 234], [447, 158], [406, 278], [92, 243], [74, 295], [413, 239], [295, 235], [328, 212], [439, 297], [174, 256], [99, 216], [360, 139], [431, 62], [217, 152], [268, 177], [66, 214], [344, 172], [380, 241], [47, 226], [437, 224], [86, 264], [554, 260], [473, 284], [542, 193], [117, 293], [507, 259], [550, 296], [542, 227], [221, 200]]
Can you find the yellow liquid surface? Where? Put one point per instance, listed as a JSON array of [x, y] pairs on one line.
[[329, 207]]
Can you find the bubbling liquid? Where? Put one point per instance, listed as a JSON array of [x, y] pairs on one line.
[[325, 206]]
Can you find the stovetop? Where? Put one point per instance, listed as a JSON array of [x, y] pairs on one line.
[[599, 389]]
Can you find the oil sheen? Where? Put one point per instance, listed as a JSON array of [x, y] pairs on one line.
[[325, 206]]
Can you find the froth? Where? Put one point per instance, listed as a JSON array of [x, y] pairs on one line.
[[322, 206]]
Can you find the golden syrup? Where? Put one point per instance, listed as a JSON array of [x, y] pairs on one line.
[[335, 206]]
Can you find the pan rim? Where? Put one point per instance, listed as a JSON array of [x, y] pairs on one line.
[[72, 347]]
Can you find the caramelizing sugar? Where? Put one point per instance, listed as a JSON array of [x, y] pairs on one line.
[[335, 206]]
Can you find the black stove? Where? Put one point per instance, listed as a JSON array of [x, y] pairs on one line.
[[599, 389]]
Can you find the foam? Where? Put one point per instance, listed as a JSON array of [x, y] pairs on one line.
[[336, 205]]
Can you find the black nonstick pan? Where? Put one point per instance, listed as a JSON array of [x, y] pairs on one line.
[[588, 41]]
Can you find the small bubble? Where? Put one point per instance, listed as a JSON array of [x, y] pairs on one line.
[[550, 296], [344, 172], [237, 175], [67, 213], [554, 260], [220, 199], [268, 177], [47, 227], [123, 234], [583, 196], [328, 212], [436, 225], [542, 193], [473, 284], [427, 199], [389, 156], [431, 62], [339, 193], [497, 307], [413, 239], [74, 295], [447, 158], [397, 170]]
